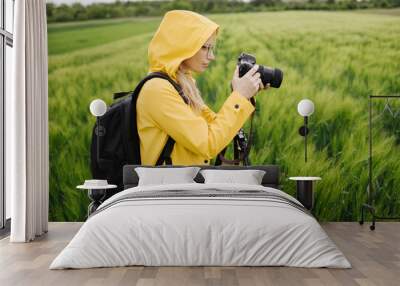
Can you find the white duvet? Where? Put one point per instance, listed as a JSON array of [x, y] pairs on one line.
[[183, 231]]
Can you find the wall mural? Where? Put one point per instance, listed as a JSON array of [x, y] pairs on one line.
[[335, 59]]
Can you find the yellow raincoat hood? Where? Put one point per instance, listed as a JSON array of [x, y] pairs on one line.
[[180, 35]]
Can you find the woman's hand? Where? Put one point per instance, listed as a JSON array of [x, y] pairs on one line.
[[249, 84]]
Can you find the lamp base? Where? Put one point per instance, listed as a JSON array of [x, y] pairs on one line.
[[100, 130], [303, 130]]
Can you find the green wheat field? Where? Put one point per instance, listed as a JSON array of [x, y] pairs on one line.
[[335, 59]]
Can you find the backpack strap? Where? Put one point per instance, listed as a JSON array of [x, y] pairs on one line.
[[166, 152], [171, 81], [118, 95], [165, 155]]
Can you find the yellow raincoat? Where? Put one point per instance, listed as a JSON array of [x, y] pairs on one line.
[[161, 112]]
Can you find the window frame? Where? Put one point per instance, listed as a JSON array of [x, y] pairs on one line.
[[6, 39]]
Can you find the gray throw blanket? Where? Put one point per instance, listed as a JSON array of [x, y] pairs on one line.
[[198, 194]]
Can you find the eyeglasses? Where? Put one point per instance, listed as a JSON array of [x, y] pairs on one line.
[[210, 50]]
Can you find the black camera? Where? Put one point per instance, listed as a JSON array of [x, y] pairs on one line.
[[268, 75]]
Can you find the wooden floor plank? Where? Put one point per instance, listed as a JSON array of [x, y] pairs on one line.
[[374, 255]]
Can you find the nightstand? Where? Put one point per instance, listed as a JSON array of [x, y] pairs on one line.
[[96, 192], [304, 190]]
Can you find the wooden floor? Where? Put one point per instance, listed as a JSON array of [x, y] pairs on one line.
[[374, 255]]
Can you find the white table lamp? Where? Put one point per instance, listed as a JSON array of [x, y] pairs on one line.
[[305, 108], [98, 108]]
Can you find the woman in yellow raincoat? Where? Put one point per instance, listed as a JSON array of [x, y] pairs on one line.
[[184, 44]]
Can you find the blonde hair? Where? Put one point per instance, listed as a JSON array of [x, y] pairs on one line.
[[190, 90], [188, 84]]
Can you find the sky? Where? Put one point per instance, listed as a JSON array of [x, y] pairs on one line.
[[83, 2], [87, 2]]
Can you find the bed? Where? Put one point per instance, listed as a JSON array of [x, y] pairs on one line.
[[201, 224]]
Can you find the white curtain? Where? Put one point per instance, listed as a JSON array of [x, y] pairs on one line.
[[27, 148]]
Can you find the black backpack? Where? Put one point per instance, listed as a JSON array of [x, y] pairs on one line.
[[118, 141]]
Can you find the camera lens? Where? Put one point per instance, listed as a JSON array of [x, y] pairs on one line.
[[270, 75]]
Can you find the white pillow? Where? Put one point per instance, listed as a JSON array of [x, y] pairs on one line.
[[249, 177], [162, 176]]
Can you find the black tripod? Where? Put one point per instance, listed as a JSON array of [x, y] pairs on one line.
[[241, 146]]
